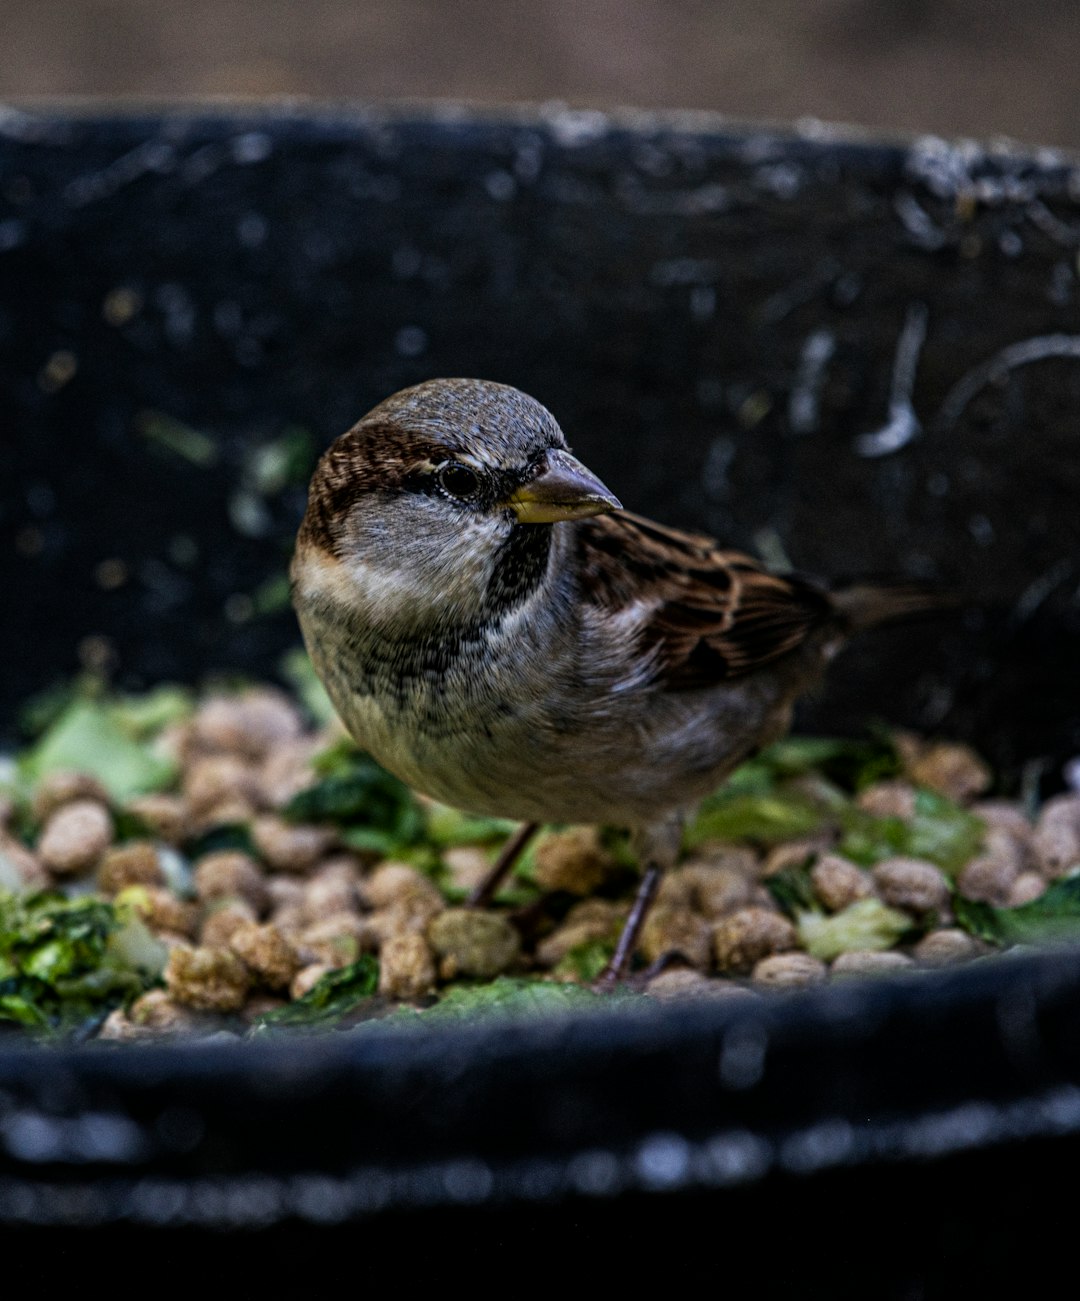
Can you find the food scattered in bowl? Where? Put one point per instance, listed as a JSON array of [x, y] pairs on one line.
[[228, 863]]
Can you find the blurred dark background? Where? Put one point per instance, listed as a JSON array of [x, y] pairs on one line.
[[970, 67]]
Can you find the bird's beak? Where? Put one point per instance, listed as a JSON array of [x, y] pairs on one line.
[[564, 489]]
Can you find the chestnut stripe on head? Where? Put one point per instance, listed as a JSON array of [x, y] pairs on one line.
[[371, 458]]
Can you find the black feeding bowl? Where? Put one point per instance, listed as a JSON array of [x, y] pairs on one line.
[[851, 356]]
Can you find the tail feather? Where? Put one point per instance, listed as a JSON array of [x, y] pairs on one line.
[[865, 605]]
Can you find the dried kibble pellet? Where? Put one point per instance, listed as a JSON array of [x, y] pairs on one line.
[[165, 817], [266, 953], [795, 853], [222, 918], [684, 982], [468, 942], [946, 947], [75, 837], [1055, 841], [406, 967], [871, 962], [743, 938], [838, 882], [156, 1010], [1027, 887], [675, 890], [219, 781], [394, 882], [404, 898], [250, 723], [988, 879], [211, 980], [719, 887], [116, 1028], [161, 910], [467, 865], [676, 930], [912, 884], [231, 874], [286, 891], [291, 920], [19, 868], [286, 772], [336, 940], [55, 789], [575, 861], [136, 863], [888, 799], [1004, 815], [1003, 843], [948, 767], [332, 889], [289, 846], [789, 971], [586, 922]]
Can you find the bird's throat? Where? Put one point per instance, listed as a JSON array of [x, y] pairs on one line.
[[521, 566]]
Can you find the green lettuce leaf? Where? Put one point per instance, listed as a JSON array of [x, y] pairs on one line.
[[1052, 918], [88, 738], [338, 996], [941, 832], [866, 924], [66, 961]]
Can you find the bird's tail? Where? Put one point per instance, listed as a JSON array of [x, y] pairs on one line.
[[865, 605]]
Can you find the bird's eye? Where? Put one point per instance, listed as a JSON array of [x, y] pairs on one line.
[[459, 481]]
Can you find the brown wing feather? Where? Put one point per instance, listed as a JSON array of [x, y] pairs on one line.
[[717, 614]]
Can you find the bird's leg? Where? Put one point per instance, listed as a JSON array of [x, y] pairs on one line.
[[484, 892], [658, 849]]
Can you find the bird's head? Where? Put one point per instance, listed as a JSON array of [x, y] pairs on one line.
[[441, 501]]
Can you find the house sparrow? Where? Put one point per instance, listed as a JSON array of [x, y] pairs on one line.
[[498, 632]]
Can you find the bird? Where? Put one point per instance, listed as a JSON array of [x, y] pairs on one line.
[[499, 633]]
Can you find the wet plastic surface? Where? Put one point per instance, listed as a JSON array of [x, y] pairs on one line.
[[856, 356]]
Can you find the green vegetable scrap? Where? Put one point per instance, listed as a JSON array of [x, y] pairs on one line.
[[447, 827], [65, 963], [374, 810], [850, 765], [68, 961], [337, 997], [792, 889], [98, 736], [801, 786], [941, 831], [765, 818], [226, 835], [511, 996], [586, 961], [143, 717], [865, 925], [1052, 918]]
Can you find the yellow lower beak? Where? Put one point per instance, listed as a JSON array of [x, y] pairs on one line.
[[564, 489]]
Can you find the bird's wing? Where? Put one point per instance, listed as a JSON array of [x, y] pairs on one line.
[[709, 615]]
